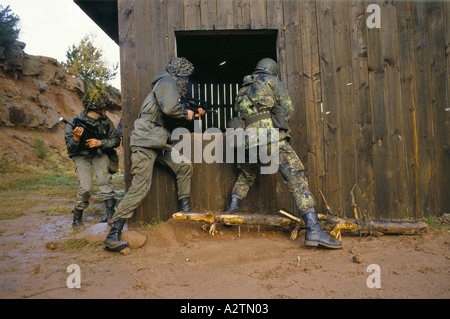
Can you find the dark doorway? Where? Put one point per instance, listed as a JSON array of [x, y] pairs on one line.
[[221, 60]]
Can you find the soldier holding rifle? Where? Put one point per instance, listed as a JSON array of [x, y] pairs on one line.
[[90, 139]]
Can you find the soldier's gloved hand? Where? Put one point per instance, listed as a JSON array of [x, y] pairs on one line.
[[190, 115], [201, 112], [77, 132], [92, 142]]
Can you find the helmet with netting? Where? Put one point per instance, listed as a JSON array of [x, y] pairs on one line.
[[95, 98], [180, 67]]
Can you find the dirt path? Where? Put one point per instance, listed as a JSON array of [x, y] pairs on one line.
[[181, 260]]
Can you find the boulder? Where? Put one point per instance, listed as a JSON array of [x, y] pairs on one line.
[[15, 55], [134, 238]]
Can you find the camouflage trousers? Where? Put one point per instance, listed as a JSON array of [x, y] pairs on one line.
[[142, 162], [83, 167], [292, 170]]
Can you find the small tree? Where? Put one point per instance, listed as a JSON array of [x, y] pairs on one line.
[[85, 61], [9, 32]]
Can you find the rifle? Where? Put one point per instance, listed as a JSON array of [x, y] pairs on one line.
[[89, 132], [194, 104]]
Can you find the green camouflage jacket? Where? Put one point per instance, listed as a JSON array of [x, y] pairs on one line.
[[160, 106], [263, 98], [107, 134]]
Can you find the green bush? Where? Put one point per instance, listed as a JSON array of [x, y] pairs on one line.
[[86, 62], [9, 32], [41, 150]]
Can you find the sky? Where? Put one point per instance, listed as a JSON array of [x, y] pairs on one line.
[[50, 27]]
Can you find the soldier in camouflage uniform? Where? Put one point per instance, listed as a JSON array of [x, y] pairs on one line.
[[89, 154], [149, 143], [262, 91]]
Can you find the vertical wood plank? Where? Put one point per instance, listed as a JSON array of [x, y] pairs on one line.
[[396, 168], [331, 107], [144, 36], [151, 206], [378, 112], [130, 107], [344, 106], [445, 120], [192, 15], [439, 103], [258, 14], [246, 15], [208, 14], [311, 79], [276, 20], [409, 101], [363, 125], [169, 18], [225, 12], [241, 14], [294, 77], [175, 22], [425, 111], [275, 14]]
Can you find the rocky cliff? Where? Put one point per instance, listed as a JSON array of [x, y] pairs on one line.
[[34, 93]]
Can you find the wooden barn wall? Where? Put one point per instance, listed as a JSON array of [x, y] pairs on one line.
[[372, 105]]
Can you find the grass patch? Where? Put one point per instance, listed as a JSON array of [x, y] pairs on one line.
[[58, 210], [22, 191], [24, 187], [149, 226], [35, 188], [46, 183], [94, 212], [437, 224], [78, 243], [10, 213]]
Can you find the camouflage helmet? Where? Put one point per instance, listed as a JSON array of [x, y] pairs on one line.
[[95, 99], [180, 67], [267, 65]]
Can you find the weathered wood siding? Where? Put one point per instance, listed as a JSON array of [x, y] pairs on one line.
[[372, 105]]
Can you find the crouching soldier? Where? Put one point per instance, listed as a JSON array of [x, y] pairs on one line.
[[150, 142], [264, 103], [90, 138]]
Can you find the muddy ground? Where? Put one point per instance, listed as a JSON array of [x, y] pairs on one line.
[[182, 260]]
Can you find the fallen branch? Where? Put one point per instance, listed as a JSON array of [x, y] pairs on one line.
[[330, 211], [355, 207], [234, 219], [42, 291], [335, 225], [298, 225]]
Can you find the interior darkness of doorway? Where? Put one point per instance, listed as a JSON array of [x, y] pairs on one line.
[[225, 56]]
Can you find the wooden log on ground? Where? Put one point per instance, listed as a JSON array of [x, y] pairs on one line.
[[386, 227], [335, 225], [235, 219]]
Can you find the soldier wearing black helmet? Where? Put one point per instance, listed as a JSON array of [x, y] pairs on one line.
[[265, 98], [89, 146], [149, 142]]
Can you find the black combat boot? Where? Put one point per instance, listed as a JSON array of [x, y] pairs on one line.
[[113, 241], [109, 203], [234, 204], [184, 205], [77, 218], [315, 236]]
